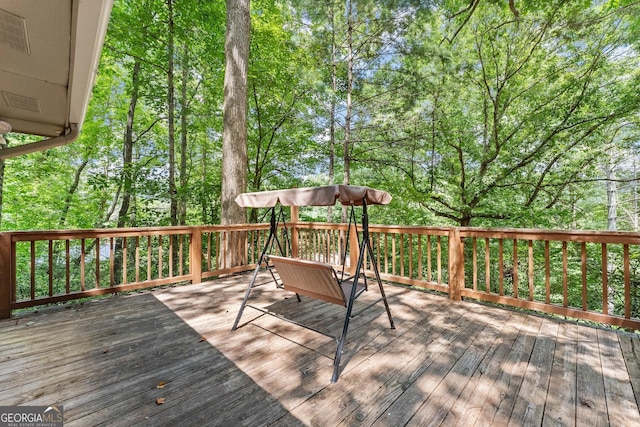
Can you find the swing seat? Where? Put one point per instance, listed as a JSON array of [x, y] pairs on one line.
[[315, 279]]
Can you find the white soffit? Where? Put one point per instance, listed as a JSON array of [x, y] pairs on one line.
[[49, 54]]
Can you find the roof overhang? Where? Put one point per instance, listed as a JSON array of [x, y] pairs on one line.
[[50, 52]]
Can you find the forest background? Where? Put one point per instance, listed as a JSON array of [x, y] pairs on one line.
[[493, 113]]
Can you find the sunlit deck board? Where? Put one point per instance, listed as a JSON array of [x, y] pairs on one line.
[[591, 405], [562, 385], [445, 364], [630, 345]]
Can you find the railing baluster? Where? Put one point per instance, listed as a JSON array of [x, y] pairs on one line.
[[180, 254], [316, 245], [33, 270], [125, 259], [97, 263], [160, 275], [112, 276], [410, 247], [401, 242], [530, 254], [245, 245], [487, 266], [474, 257], [501, 267], [137, 259], [218, 245], [82, 265], [547, 273], [605, 280], [393, 254], [515, 269], [149, 258], [209, 251], [439, 258], [565, 276], [419, 256], [386, 253], [583, 262], [429, 258], [50, 268], [627, 283], [170, 254], [67, 285]]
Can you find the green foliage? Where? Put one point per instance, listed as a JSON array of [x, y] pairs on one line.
[[493, 120]]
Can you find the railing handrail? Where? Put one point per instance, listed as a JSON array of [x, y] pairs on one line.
[[91, 233], [592, 236]]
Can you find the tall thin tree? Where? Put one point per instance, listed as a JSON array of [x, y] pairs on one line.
[[171, 114], [234, 134]]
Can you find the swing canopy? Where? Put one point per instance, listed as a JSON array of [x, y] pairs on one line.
[[315, 196]]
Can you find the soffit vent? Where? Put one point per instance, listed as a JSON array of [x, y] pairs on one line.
[[22, 102], [13, 32]]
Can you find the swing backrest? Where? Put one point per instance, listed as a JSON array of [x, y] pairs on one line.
[[313, 279]]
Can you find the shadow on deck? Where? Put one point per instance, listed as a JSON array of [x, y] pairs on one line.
[[108, 361]]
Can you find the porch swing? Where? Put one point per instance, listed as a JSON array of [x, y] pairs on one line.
[[314, 279]]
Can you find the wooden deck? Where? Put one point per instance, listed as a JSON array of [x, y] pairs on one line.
[[108, 361]]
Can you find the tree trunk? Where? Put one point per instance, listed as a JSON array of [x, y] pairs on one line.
[[347, 118], [332, 112], [127, 170], [634, 213], [612, 197], [182, 200], [71, 192], [612, 216], [127, 148], [171, 113], [234, 133]]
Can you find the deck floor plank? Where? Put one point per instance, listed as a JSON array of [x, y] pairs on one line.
[[532, 396], [630, 345], [101, 348], [621, 404], [395, 365], [442, 355], [591, 404], [561, 395], [480, 385], [498, 406], [368, 382], [445, 363], [444, 396]]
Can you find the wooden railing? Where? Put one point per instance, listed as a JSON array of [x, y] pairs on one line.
[[44, 267], [586, 275], [593, 276]]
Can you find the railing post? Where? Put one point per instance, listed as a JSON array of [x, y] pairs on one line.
[[295, 217], [456, 264], [354, 250], [5, 276], [195, 255]]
